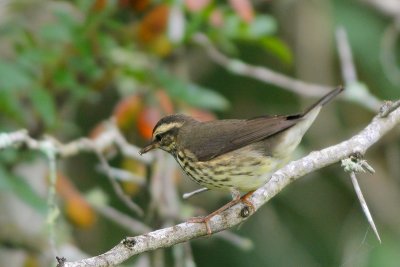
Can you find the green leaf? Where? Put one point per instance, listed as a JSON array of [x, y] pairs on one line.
[[66, 18], [278, 48], [205, 98], [65, 79], [262, 26], [97, 197], [12, 76], [197, 20], [55, 33], [10, 107], [22, 190], [191, 94], [61, 30], [231, 26], [44, 104]]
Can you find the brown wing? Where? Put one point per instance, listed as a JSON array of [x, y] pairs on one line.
[[208, 140]]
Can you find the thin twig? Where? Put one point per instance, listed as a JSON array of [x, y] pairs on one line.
[[123, 175], [104, 140], [195, 192], [387, 7], [364, 205], [129, 223], [53, 211], [243, 243], [189, 259], [186, 231], [117, 188], [13, 139], [260, 73], [355, 90], [356, 163], [127, 149], [388, 52], [111, 136], [349, 73], [264, 74]]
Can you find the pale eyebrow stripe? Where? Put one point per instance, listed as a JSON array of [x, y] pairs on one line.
[[166, 128]]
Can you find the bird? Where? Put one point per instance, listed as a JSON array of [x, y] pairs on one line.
[[233, 155]]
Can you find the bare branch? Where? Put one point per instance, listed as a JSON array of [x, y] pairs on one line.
[[388, 52], [359, 94], [260, 73], [355, 163], [186, 231], [349, 73], [195, 192], [356, 91], [241, 242], [134, 226], [123, 175], [127, 149], [364, 205], [117, 188], [109, 137], [52, 147], [387, 7]]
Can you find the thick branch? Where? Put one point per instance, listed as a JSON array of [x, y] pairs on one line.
[[186, 231]]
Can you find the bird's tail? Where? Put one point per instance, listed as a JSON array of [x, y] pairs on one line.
[[292, 137], [325, 99]]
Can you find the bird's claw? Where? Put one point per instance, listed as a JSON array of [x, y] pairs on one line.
[[203, 219]]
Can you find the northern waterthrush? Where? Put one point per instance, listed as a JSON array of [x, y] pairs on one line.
[[233, 155]]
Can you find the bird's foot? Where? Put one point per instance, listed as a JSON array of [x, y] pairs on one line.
[[203, 219], [206, 219], [244, 200]]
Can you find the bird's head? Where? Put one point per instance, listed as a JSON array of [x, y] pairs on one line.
[[165, 133]]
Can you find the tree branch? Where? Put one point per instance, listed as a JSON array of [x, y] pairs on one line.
[[357, 94], [260, 73], [356, 91], [186, 231]]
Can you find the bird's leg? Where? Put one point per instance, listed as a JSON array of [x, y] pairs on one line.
[[236, 199], [206, 219], [245, 200]]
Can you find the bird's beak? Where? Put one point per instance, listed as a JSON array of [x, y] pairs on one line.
[[149, 147]]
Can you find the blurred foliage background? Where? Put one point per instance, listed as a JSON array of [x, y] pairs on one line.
[[68, 66]]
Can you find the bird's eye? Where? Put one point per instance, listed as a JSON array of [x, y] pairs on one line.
[[158, 137]]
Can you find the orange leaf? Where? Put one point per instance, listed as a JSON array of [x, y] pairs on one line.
[[217, 18], [136, 5], [153, 24], [79, 213], [161, 46], [243, 8], [65, 188], [99, 5], [164, 101], [32, 260], [77, 209], [146, 121], [200, 114], [127, 111], [133, 166], [196, 5]]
